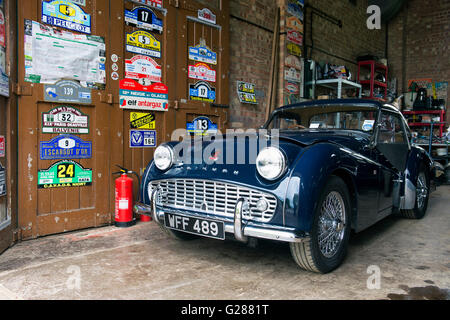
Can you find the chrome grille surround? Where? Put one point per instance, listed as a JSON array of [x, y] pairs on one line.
[[211, 197]]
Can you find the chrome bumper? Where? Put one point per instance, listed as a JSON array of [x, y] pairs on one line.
[[233, 226]]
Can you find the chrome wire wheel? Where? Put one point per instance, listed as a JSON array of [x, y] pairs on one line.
[[421, 190], [332, 221]]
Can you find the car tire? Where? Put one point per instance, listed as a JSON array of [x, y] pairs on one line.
[[309, 255], [178, 235], [422, 196]]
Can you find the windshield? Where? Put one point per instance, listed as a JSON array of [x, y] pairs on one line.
[[325, 117]]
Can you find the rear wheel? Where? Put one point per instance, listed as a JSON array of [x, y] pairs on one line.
[[422, 195], [327, 246]]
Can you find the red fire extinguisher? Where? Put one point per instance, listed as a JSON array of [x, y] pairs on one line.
[[124, 198]]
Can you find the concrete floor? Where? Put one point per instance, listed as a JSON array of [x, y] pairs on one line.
[[143, 263]]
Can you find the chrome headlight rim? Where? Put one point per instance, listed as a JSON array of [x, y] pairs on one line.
[[283, 162], [171, 155]]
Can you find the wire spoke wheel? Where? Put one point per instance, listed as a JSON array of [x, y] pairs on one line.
[[332, 221], [421, 190]]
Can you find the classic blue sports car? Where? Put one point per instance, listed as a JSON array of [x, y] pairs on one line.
[[324, 168]]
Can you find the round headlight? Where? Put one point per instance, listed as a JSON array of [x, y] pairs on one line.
[[271, 163], [163, 157]]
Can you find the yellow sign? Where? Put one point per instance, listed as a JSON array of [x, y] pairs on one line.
[[143, 39], [142, 120], [67, 10], [294, 49]]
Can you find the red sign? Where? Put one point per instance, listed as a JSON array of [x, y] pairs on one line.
[[153, 3], [2, 29], [2, 146], [295, 37], [136, 96]]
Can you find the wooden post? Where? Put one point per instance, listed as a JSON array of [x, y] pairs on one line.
[[273, 66]]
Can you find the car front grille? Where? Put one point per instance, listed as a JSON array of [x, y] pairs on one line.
[[211, 197]]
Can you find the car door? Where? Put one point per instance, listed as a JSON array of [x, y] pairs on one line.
[[392, 149]]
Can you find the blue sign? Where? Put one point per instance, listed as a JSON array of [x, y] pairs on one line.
[[67, 15], [201, 126], [202, 54], [143, 18], [142, 138], [202, 91], [65, 147]]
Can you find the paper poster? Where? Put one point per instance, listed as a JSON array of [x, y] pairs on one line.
[[201, 126], [52, 55], [65, 147], [67, 91], [142, 67], [207, 16], [202, 54], [143, 18], [65, 119], [63, 174], [202, 91], [246, 92], [142, 42], [142, 120], [142, 138], [201, 71], [67, 15], [136, 96]]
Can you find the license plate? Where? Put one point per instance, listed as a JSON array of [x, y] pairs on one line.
[[202, 227]]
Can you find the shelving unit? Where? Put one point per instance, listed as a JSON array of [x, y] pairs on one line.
[[337, 84], [374, 67], [429, 146]]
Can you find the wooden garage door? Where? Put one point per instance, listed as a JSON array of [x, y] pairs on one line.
[[185, 25], [45, 211]]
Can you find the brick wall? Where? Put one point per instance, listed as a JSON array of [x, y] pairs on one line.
[[251, 47], [250, 57], [419, 43]]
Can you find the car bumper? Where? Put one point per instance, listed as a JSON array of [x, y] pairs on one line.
[[236, 226]]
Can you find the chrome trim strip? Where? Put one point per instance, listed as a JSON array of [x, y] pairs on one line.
[[283, 234]]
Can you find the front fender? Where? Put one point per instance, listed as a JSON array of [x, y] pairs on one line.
[[311, 172]]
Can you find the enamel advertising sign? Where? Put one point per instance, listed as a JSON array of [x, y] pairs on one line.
[[136, 96], [142, 120], [65, 147], [152, 3], [207, 16], [65, 119], [67, 91], [201, 126], [143, 18], [293, 75], [294, 49], [2, 146], [202, 54], [142, 42], [67, 15], [140, 67], [246, 92], [295, 37], [292, 87], [202, 71], [294, 23], [202, 91], [293, 62], [63, 174], [142, 138], [2, 29]]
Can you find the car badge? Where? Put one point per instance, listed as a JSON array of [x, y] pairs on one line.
[[215, 156]]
